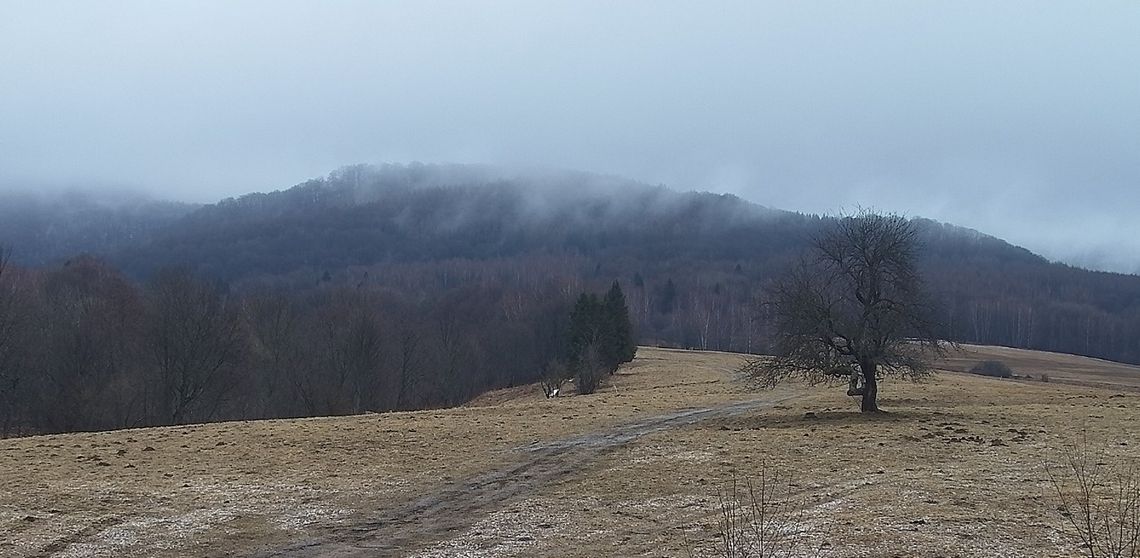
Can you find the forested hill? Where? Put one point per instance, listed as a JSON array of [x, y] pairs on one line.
[[46, 228], [694, 264], [365, 215]]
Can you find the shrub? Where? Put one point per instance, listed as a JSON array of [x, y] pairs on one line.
[[1098, 498], [554, 377], [762, 519], [994, 368], [589, 371]]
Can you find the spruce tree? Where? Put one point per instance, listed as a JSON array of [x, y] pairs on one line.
[[620, 343], [600, 337], [585, 324]]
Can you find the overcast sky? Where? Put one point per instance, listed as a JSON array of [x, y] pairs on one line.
[[1020, 119]]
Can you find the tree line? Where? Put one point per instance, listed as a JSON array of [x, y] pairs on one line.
[[693, 263], [84, 348], [389, 253]]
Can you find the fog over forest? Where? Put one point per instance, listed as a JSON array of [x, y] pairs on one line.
[[1017, 119]]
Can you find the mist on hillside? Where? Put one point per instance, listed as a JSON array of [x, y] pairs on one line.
[[1020, 123]]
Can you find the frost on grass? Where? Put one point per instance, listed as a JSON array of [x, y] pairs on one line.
[[516, 531], [160, 533], [308, 515], [655, 455], [282, 507]]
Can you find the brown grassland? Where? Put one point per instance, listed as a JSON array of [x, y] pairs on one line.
[[954, 469]]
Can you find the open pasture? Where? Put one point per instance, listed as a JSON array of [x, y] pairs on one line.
[[954, 469]]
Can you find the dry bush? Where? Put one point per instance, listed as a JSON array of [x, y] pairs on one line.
[[761, 518], [993, 368], [554, 377], [590, 370], [1098, 499]]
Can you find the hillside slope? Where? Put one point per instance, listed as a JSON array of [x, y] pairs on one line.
[[47, 228], [694, 263]]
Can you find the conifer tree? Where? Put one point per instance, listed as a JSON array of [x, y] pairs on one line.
[[601, 337], [620, 343]]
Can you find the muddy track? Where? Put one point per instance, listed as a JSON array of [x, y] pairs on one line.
[[411, 525]]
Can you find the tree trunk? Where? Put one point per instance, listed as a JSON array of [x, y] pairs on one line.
[[870, 403]]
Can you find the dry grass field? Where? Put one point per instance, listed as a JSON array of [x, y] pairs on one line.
[[1057, 367], [954, 469]]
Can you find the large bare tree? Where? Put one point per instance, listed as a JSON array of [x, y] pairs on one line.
[[854, 308], [196, 340]]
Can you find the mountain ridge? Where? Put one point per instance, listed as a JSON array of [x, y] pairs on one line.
[[344, 188], [697, 261]]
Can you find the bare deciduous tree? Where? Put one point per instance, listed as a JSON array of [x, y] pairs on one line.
[[85, 349], [355, 353], [855, 309], [195, 338], [275, 345], [410, 371]]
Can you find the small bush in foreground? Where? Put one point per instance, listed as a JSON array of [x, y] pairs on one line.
[[1098, 498], [761, 519]]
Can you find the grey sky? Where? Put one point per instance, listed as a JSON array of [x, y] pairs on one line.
[[1021, 119]]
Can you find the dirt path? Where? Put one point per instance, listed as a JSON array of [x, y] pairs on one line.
[[408, 526]]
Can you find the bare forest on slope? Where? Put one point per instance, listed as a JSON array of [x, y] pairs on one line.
[[403, 287]]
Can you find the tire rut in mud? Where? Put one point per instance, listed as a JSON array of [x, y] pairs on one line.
[[448, 512]]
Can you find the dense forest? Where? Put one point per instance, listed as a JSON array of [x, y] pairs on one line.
[[389, 282], [47, 228], [82, 347]]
